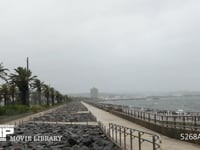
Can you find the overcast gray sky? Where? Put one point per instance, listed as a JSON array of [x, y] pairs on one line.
[[114, 45]]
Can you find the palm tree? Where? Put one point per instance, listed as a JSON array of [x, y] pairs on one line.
[[38, 85], [4, 90], [3, 73], [46, 92], [66, 98], [52, 94], [12, 91], [59, 97], [23, 78]]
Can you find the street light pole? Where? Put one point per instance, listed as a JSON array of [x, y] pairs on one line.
[[27, 63], [27, 67]]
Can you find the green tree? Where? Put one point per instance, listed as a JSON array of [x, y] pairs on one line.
[[52, 94], [4, 90], [66, 98], [59, 97], [12, 91], [23, 79], [46, 92], [3, 73], [38, 85]]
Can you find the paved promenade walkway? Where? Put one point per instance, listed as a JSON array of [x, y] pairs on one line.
[[167, 143]]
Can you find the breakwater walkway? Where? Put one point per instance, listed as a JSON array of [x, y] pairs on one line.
[[167, 143], [72, 122]]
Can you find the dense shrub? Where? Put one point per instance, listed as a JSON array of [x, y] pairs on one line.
[[45, 106], [22, 108], [2, 110], [36, 108], [13, 109]]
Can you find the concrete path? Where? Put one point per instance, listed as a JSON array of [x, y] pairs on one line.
[[167, 143]]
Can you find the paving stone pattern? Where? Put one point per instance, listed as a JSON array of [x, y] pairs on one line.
[[74, 137], [70, 113]]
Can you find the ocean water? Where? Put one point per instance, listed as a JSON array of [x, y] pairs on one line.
[[186, 103]]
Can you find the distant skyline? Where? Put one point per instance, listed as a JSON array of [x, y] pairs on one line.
[[116, 46]]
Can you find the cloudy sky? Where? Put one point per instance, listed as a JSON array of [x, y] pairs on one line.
[[114, 45]]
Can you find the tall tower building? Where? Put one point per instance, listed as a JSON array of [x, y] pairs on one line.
[[94, 93]]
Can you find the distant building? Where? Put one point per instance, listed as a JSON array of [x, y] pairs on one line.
[[94, 93]]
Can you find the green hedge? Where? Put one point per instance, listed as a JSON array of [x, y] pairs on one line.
[[13, 109], [2, 110], [36, 108]]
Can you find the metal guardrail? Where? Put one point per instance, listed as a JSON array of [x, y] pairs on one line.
[[129, 139], [157, 111], [182, 121], [186, 122]]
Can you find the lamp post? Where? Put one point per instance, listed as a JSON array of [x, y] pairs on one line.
[[27, 68]]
